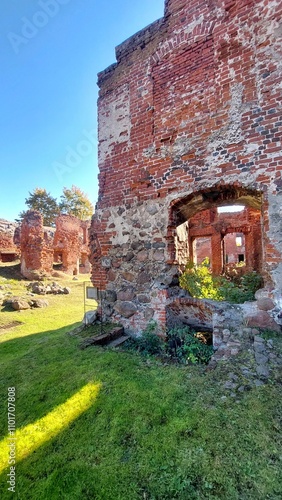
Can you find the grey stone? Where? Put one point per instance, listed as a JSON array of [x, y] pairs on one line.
[[229, 385], [152, 209], [258, 383], [149, 313], [262, 293], [126, 294], [143, 278], [129, 256], [66, 290], [143, 299], [142, 256], [263, 371], [258, 339], [107, 310], [125, 309], [265, 304], [40, 303], [241, 388], [158, 255], [159, 244], [110, 296], [89, 317], [106, 262], [20, 304], [261, 358]]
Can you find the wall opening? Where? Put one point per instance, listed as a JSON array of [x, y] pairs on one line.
[[222, 225]]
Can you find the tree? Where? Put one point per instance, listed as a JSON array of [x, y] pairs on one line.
[[75, 202], [42, 201]]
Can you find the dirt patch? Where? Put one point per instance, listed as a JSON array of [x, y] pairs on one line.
[[10, 325]]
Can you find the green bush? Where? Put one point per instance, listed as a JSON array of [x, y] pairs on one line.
[[183, 345], [149, 343], [200, 283]]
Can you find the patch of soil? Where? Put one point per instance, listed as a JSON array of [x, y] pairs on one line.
[[12, 324]]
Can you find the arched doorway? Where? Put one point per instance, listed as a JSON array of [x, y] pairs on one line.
[[223, 224]]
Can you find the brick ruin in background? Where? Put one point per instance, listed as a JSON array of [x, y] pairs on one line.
[[9, 241], [189, 120], [36, 247], [226, 239], [71, 244], [41, 246]]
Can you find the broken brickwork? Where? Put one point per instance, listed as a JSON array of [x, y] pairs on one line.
[[71, 244], [36, 247], [9, 241], [41, 246], [190, 119]]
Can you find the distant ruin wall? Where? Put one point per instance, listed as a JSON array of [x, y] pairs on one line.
[[36, 247], [66, 244], [9, 241], [190, 112], [68, 241]]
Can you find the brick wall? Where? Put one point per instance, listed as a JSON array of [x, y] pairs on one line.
[[190, 117], [9, 242]]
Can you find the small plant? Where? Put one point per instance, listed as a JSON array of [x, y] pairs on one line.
[[149, 343], [183, 344]]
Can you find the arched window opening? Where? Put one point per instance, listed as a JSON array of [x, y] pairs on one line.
[[221, 226]]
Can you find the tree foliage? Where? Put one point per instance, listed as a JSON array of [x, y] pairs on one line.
[[75, 202], [42, 201]]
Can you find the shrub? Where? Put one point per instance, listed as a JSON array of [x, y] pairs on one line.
[[149, 343], [183, 345], [200, 283]]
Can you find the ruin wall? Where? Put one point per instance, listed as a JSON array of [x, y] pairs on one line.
[[190, 117]]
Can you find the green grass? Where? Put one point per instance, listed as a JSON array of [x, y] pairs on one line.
[[152, 431]]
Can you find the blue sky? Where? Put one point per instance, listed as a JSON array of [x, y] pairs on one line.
[[50, 54]]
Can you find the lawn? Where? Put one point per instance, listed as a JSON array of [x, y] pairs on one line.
[[111, 425]]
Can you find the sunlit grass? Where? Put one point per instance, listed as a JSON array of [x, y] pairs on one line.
[[150, 432], [34, 435], [62, 310]]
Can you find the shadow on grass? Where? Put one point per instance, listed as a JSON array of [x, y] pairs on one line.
[[11, 271]]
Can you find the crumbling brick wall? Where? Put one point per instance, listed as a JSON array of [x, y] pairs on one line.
[[36, 247], [190, 118], [42, 246], [9, 242], [67, 242]]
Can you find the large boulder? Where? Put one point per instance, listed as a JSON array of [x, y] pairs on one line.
[[20, 304], [125, 309], [261, 319]]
